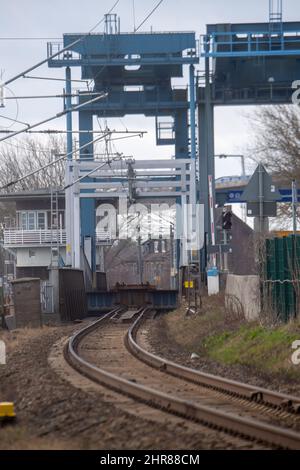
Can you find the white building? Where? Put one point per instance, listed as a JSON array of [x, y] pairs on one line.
[[37, 232]]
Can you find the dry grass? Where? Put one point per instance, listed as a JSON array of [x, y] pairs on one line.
[[186, 331], [14, 339]]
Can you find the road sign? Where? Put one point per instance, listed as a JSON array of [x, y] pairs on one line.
[[261, 195], [261, 187], [269, 209]]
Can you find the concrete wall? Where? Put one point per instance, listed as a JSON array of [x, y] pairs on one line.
[[36, 256], [243, 291]]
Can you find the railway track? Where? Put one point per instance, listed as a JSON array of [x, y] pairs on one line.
[[110, 353]]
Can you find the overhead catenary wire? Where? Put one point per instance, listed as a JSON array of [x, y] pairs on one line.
[[133, 12], [56, 79], [64, 157], [28, 39], [42, 62], [149, 15], [21, 146], [52, 56], [128, 137], [106, 145], [12, 120], [65, 95], [17, 109], [60, 131], [52, 118], [24, 73]]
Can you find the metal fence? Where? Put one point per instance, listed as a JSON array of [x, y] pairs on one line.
[[282, 275]]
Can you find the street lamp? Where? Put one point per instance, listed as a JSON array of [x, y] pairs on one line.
[[271, 80]]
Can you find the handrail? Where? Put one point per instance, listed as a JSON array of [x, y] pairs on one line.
[[250, 42], [45, 237]]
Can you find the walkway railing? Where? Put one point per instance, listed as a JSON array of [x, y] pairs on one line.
[[14, 237], [19, 237]]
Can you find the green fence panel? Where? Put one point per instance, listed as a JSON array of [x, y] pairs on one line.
[[283, 266]]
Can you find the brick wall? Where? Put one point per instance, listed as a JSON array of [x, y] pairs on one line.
[[27, 303]]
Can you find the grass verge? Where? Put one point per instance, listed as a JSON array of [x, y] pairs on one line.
[[213, 334]]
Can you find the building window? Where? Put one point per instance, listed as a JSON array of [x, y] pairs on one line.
[[41, 221], [24, 220], [33, 220], [31, 253]]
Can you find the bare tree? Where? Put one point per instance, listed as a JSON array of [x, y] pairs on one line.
[[27, 156], [277, 145], [277, 141]]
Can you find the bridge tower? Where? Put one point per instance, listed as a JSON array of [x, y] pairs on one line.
[[245, 64], [135, 70]]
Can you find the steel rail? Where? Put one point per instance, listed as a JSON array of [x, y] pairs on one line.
[[234, 424], [231, 387]]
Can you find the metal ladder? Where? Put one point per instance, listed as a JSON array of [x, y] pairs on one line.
[[275, 17], [54, 221]]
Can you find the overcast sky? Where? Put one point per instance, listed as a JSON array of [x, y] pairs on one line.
[[50, 19]]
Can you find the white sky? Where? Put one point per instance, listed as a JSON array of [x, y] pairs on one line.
[[53, 18]]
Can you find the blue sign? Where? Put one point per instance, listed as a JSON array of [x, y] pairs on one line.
[[234, 197], [287, 195]]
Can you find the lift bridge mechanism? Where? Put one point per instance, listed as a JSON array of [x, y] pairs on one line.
[[244, 64], [135, 71]]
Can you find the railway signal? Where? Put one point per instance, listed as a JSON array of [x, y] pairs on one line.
[[226, 220]]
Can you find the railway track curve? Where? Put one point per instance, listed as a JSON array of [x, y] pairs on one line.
[[192, 389]]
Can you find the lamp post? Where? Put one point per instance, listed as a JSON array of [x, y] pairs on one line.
[[271, 80]]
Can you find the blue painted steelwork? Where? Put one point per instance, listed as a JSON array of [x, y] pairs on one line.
[[87, 206], [100, 301], [159, 300], [119, 62], [165, 300], [165, 132], [192, 111], [251, 63], [136, 71], [245, 64], [250, 44], [126, 49], [69, 115]]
